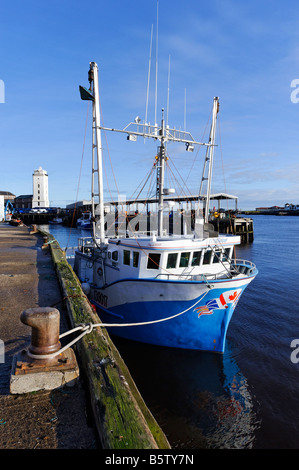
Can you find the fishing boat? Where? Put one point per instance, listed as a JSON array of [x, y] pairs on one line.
[[85, 220], [170, 289]]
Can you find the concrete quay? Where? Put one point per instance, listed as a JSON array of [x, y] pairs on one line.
[[103, 409], [53, 419]]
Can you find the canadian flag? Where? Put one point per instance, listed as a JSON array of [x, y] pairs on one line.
[[229, 297]]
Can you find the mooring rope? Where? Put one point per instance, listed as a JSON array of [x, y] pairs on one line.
[[87, 328]]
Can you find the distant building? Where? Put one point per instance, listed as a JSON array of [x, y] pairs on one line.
[[40, 188], [7, 196], [83, 205], [23, 202], [1, 207], [269, 209], [287, 207], [291, 207]]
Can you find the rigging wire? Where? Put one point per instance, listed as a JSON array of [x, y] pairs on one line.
[[108, 149], [222, 162], [220, 144], [80, 172], [202, 139]]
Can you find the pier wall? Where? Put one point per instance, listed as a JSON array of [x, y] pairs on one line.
[[45, 419], [236, 226], [122, 418]]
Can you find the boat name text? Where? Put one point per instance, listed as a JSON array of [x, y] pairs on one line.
[[101, 298]]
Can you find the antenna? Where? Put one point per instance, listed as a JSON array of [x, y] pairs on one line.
[[149, 73], [185, 112], [168, 92], [156, 92]]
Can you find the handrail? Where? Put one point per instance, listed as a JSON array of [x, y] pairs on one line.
[[243, 262], [220, 257], [206, 277], [203, 276], [244, 267]]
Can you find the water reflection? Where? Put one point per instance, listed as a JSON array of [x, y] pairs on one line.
[[201, 400]]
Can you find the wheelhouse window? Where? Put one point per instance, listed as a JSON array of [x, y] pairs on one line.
[[153, 261], [196, 258], [171, 260], [126, 257], [217, 256], [226, 254], [135, 259], [115, 255], [184, 261], [207, 257]]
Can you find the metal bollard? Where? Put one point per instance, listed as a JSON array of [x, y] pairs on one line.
[[45, 241], [33, 368], [33, 229], [45, 322]]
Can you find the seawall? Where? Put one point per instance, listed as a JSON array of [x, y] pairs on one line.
[[33, 274], [122, 418]]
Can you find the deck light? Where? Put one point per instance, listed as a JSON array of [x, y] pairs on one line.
[[132, 137], [189, 147]]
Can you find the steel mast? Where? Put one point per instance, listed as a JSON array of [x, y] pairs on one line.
[[209, 159], [160, 176], [97, 153], [164, 134]]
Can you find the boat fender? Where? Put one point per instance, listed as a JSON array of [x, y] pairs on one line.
[[100, 271], [86, 288]]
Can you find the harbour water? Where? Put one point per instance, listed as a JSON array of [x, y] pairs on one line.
[[248, 397]]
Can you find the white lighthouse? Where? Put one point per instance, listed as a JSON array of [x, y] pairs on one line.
[[40, 188]]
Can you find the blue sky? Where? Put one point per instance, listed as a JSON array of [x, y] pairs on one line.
[[247, 53]]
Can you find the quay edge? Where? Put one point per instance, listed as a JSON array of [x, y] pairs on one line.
[[122, 418]]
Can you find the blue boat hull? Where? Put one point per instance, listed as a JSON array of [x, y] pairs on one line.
[[199, 323], [84, 225]]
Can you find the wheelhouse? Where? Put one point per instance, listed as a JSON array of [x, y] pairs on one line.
[[171, 258]]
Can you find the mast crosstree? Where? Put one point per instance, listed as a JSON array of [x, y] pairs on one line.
[[135, 129]]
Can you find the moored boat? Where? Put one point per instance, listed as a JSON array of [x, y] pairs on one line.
[[177, 290], [56, 221], [85, 220]]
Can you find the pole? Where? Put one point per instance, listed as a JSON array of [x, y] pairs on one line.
[[161, 177], [211, 156], [99, 152]]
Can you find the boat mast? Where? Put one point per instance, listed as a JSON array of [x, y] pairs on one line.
[[209, 159], [164, 134], [97, 164], [160, 177]]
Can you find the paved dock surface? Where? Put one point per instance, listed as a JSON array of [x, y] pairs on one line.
[[39, 420]]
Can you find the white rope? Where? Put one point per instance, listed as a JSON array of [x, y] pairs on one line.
[[89, 327]]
